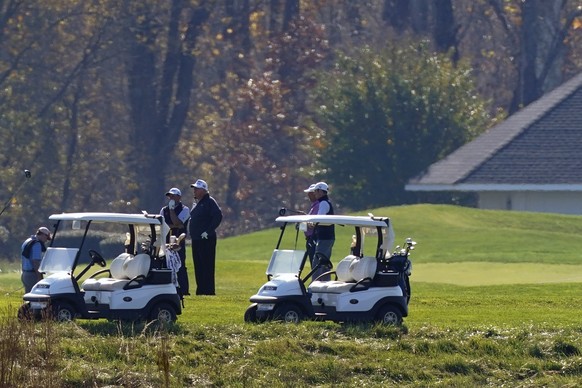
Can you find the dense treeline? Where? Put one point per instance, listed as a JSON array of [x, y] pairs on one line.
[[110, 103]]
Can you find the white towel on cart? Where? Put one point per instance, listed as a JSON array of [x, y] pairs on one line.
[[173, 262]]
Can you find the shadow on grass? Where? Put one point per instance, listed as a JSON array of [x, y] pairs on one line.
[[366, 330], [128, 329]]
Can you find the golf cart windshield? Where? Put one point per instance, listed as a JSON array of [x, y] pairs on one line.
[[58, 260], [285, 261]]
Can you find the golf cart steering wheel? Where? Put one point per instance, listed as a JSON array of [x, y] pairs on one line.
[[97, 258], [323, 260]]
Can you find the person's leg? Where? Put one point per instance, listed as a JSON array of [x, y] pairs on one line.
[[198, 264], [22, 279], [324, 247], [183, 273], [29, 279], [310, 248], [208, 252]]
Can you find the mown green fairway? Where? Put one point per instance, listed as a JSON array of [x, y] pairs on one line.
[[496, 300], [480, 273]]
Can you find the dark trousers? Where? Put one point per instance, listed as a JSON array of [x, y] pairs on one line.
[[204, 255], [184, 288], [310, 248]]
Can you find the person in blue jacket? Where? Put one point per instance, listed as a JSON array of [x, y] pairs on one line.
[[31, 255], [205, 217]]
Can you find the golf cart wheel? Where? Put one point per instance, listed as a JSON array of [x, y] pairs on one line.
[[389, 315], [288, 313], [163, 313], [63, 312], [251, 314]]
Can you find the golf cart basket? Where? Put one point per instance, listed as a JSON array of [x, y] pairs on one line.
[[400, 264]]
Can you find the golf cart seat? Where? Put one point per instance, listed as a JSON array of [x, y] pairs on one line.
[[344, 276], [124, 268], [343, 269], [116, 267], [117, 280], [139, 265], [349, 271], [363, 268]]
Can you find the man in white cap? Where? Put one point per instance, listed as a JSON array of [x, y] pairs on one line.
[[314, 206], [324, 235], [31, 255], [205, 217], [176, 216]]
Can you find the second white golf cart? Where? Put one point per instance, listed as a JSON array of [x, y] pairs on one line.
[[370, 284], [131, 289]]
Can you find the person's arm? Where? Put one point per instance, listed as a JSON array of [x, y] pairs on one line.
[[314, 209], [176, 222], [323, 208], [36, 258], [216, 216], [184, 215]]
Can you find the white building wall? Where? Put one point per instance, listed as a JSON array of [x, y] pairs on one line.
[[564, 202]]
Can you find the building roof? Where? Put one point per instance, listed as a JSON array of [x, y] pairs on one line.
[[537, 148]]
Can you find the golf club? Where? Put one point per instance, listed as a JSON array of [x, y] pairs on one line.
[[284, 211], [27, 175]]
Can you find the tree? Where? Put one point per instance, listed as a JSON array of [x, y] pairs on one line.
[[110, 102], [49, 53], [160, 86], [258, 144], [388, 116], [542, 49], [522, 44]]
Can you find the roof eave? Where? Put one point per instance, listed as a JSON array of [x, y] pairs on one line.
[[493, 187]]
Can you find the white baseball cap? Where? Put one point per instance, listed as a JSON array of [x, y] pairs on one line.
[[44, 230], [174, 191], [200, 184], [310, 189], [320, 186]]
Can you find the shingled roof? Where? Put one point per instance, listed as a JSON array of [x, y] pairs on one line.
[[537, 148]]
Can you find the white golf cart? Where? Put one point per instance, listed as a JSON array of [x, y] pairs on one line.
[[369, 285], [131, 289]]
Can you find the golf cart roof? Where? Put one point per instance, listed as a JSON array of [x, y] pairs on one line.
[[336, 219], [121, 218]]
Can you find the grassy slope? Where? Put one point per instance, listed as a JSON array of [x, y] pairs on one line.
[[456, 246], [448, 234], [453, 234], [456, 335]]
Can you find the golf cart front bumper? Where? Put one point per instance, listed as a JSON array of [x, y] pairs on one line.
[[267, 304], [37, 302]]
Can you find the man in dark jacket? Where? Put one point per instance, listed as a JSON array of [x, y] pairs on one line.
[[205, 217]]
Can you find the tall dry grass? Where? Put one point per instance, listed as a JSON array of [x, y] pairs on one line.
[[29, 353]]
